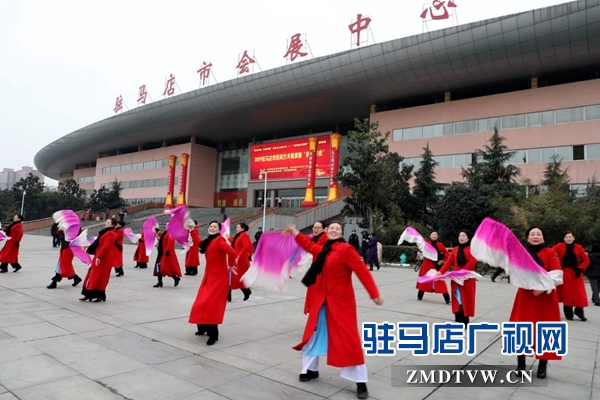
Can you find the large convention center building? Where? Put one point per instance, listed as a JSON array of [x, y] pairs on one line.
[[534, 75]]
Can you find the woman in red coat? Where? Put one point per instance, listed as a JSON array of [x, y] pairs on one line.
[[10, 252], [118, 253], [167, 263], [65, 268], [463, 296], [320, 238], [574, 260], [98, 275], [242, 244], [537, 305], [140, 257], [192, 257], [438, 286], [208, 310], [332, 325]]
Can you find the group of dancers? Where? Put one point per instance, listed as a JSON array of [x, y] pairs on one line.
[[529, 305]]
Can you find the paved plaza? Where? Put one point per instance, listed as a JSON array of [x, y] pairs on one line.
[[139, 344]]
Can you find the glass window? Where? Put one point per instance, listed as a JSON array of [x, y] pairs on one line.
[[576, 114], [459, 127], [494, 122], [548, 118], [547, 154], [565, 153], [533, 119], [592, 112], [428, 131], [592, 151], [470, 126], [460, 160], [126, 168], [407, 134], [417, 132], [562, 116], [448, 129], [508, 122], [483, 125], [438, 130], [520, 121], [519, 157], [438, 160], [447, 161], [534, 156], [578, 153], [397, 135]]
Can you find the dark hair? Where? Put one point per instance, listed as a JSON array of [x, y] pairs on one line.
[[244, 226], [595, 248], [466, 232], [336, 221], [113, 221], [20, 216], [215, 222], [122, 223], [320, 222], [195, 222], [432, 232], [532, 228], [567, 232]]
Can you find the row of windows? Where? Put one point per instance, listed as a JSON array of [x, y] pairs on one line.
[[83, 179], [529, 156], [143, 183], [563, 116], [134, 202], [115, 169]]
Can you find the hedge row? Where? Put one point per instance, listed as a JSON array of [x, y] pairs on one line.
[[391, 254]]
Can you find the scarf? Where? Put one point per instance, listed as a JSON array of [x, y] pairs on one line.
[[10, 227], [92, 248], [159, 247], [461, 258], [440, 256], [533, 250], [315, 238], [235, 238], [204, 244], [569, 260], [117, 245], [317, 266]]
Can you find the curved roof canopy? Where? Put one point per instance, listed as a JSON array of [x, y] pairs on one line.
[[339, 87]]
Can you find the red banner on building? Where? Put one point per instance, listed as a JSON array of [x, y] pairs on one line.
[[289, 159], [231, 199]]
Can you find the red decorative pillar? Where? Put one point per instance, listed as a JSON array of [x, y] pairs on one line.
[[334, 166], [171, 185], [183, 178], [309, 198]]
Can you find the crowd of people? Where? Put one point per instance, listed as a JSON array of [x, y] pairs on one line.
[[331, 328]]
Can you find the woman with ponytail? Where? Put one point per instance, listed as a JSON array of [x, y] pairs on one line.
[[332, 326], [463, 297], [242, 244]]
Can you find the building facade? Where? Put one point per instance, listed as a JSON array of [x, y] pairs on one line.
[[8, 176]]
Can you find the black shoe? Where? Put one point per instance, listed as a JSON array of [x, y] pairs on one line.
[[229, 296], [541, 372], [521, 365], [176, 279], [159, 284], [493, 279], [569, 318], [212, 340], [100, 299], [201, 330], [76, 280], [361, 390], [52, 285], [86, 299], [309, 375], [17, 268], [247, 293]]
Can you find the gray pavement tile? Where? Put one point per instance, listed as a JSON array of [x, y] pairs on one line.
[[147, 351], [54, 314], [80, 324], [72, 388], [13, 349], [235, 361], [254, 387], [35, 306], [149, 384], [11, 297], [17, 318], [35, 331], [30, 371], [4, 335], [8, 396], [202, 371], [204, 395], [317, 386]]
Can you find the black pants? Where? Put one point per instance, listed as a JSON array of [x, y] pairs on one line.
[[446, 296], [460, 316], [4, 266], [191, 270], [595, 284], [497, 273], [210, 330], [568, 310], [141, 265]]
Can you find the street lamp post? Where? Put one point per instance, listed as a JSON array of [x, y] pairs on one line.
[[23, 200], [262, 171]]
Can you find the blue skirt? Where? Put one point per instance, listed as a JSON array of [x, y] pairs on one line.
[[457, 294], [319, 345]]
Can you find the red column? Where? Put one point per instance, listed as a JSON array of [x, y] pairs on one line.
[[334, 166], [171, 185], [309, 198], [183, 178]]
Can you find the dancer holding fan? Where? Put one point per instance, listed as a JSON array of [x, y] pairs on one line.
[[98, 275], [331, 328], [10, 252], [440, 286], [208, 309], [167, 263], [192, 257], [118, 253], [242, 244], [69, 223]]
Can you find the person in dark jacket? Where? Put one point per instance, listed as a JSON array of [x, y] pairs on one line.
[[365, 245], [354, 241], [593, 272], [372, 257]]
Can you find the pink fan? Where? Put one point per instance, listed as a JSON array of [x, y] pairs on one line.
[[149, 234], [92, 239], [411, 235], [494, 244], [68, 222], [179, 225], [276, 255], [226, 227], [3, 236], [459, 276], [130, 235], [78, 244]]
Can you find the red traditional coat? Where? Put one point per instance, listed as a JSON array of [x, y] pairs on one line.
[[467, 290], [439, 286], [140, 252], [334, 289], [98, 276], [118, 253], [169, 264], [243, 247], [10, 252], [65, 262], [311, 289], [192, 257], [572, 292], [530, 308], [211, 300]]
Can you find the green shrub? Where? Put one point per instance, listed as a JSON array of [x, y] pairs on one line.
[[391, 254]]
